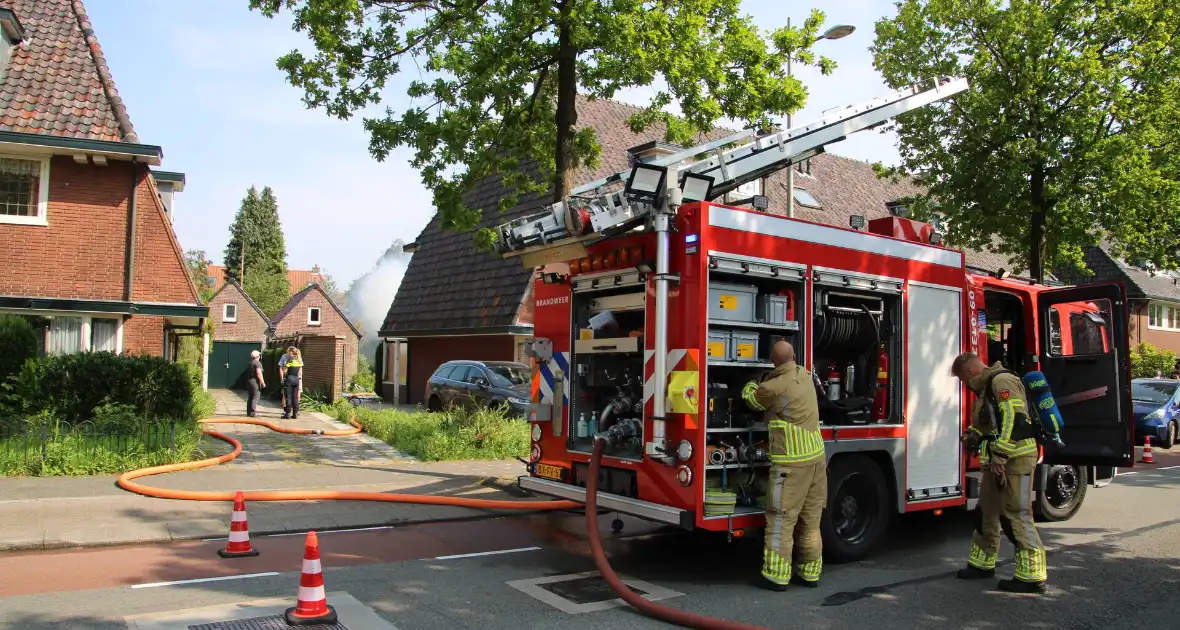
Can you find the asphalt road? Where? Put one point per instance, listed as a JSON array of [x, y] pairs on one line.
[[1117, 564]]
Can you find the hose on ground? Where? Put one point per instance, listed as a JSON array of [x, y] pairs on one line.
[[651, 609], [126, 480]]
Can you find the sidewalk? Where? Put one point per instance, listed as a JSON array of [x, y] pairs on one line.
[[60, 512]]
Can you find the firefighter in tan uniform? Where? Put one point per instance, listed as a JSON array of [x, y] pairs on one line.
[[798, 489], [1005, 434]]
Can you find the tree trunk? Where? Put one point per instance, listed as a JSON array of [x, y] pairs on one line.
[[1037, 233], [567, 113]]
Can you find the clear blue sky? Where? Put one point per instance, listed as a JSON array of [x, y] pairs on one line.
[[199, 80]]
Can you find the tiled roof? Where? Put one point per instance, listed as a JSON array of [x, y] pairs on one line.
[[298, 297], [57, 81], [1140, 283], [450, 286], [298, 279]]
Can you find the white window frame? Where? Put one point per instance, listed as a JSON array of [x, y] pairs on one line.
[[225, 312], [42, 217], [319, 316], [84, 331], [1163, 316]]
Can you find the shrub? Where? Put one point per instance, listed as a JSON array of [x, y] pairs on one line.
[[72, 386], [18, 343], [449, 435], [1147, 360], [365, 380]]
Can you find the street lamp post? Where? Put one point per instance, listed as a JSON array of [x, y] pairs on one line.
[[836, 32]]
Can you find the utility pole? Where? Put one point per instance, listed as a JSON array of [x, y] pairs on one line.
[[836, 32], [242, 261]]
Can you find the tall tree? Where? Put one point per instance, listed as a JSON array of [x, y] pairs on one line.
[[1068, 135], [498, 79], [198, 270], [269, 290], [257, 235]]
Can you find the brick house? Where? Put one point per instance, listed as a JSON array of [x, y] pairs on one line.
[[297, 279], [1153, 296], [324, 334], [89, 254], [239, 326], [457, 303]]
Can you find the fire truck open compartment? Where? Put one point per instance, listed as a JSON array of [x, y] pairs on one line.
[[607, 368], [855, 344]]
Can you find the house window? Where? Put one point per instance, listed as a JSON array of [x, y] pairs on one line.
[[65, 336], [804, 198], [104, 335], [229, 313], [24, 191], [1163, 317], [313, 316]]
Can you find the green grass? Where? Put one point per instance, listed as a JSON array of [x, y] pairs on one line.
[[70, 454], [445, 436]]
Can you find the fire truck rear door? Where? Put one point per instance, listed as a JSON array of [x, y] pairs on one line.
[[1088, 374]]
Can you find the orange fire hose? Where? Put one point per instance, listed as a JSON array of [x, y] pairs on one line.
[[125, 481], [681, 618], [651, 609]]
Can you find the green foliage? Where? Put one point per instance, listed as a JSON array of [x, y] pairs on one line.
[[18, 343], [1148, 360], [198, 271], [451, 435], [365, 380], [257, 234], [1067, 136], [496, 81], [270, 290], [315, 400], [72, 452], [71, 387], [270, 370]]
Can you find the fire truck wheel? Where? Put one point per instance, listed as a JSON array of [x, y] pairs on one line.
[[857, 515], [1062, 496]]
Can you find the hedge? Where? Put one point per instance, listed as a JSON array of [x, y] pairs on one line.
[[18, 343]]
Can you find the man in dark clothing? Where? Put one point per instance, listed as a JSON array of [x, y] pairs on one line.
[[254, 383]]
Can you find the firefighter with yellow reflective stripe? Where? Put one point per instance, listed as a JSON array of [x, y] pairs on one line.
[[798, 489], [1003, 429]]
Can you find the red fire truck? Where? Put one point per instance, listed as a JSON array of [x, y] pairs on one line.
[[655, 305]]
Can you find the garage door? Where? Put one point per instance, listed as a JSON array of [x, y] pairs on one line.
[[228, 361]]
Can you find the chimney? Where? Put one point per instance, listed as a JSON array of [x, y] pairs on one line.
[[315, 269]]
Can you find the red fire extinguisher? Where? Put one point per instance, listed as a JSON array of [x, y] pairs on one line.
[[881, 401], [833, 382]]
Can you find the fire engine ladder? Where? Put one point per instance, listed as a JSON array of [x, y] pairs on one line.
[[591, 213]]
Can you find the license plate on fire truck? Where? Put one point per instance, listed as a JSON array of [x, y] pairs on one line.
[[548, 471]]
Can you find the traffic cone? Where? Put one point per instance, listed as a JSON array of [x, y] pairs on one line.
[[312, 606], [239, 533], [1148, 458]]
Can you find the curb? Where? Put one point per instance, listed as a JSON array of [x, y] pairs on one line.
[[498, 483]]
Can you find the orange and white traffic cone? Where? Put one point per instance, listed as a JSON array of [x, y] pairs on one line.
[[312, 606], [239, 533], [1148, 458]]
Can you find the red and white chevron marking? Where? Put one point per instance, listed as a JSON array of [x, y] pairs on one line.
[[679, 360]]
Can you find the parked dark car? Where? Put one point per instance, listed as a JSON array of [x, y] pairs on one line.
[[472, 384], [1157, 405]]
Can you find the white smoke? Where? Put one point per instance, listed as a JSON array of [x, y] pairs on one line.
[[369, 296]]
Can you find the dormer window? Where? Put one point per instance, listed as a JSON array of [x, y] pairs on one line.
[[897, 209], [11, 35]]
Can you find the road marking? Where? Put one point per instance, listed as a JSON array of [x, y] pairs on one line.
[[212, 579], [486, 553], [1146, 470]]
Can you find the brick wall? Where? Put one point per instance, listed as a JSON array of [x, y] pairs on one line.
[[143, 333], [82, 252], [251, 326], [332, 324], [427, 353], [321, 364]]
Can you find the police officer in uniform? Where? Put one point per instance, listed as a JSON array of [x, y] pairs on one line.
[[1004, 432], [798, 489], [291, 382]]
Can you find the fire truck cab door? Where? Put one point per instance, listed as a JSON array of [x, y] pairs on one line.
[[1084, 354]]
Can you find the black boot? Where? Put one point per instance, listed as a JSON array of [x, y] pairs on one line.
[[796, 579], [1013, 585], [285, 415], [976, 573], [772, 586]]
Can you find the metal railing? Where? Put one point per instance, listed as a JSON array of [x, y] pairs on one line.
[[85, 438]]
